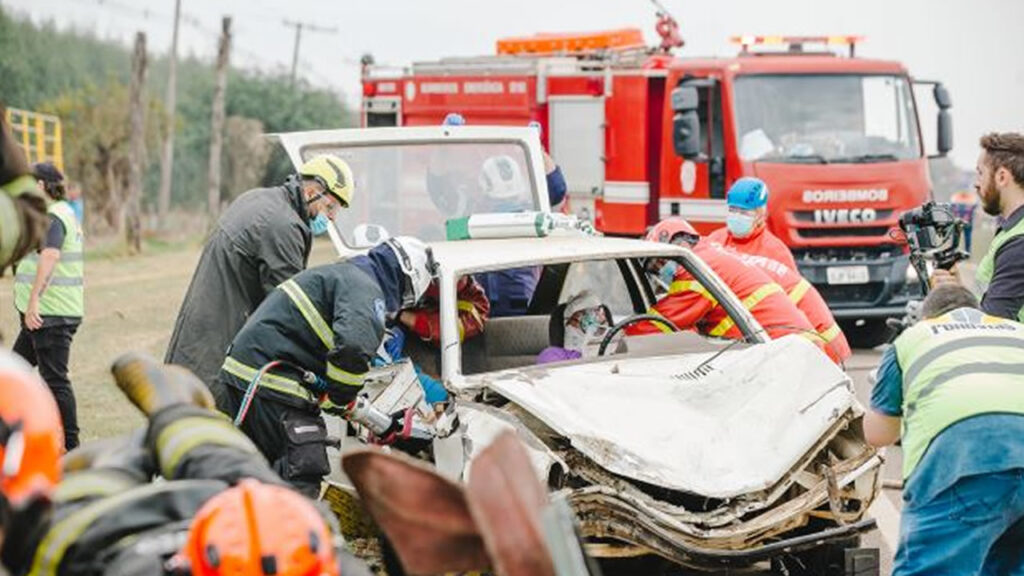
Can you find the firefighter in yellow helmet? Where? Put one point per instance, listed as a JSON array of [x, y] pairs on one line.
[[261, 240]]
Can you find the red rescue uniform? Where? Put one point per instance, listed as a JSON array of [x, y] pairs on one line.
[[689, 305], [474, 309], [809, 301], [761, 242]]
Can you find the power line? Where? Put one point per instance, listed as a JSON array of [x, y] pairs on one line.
[[299, 27]]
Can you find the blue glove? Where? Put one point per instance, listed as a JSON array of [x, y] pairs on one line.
[[433, 390], [394, 343]]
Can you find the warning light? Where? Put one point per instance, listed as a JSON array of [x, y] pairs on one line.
[[795, 44]]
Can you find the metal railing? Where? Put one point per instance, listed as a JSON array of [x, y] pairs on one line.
[[40, 135]]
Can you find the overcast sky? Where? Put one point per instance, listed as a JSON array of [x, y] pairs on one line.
[[972, 45]]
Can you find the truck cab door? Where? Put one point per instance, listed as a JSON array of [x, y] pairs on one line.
[[711, 161]]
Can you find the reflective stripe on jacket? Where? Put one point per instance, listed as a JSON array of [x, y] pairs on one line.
[[958, 365], [987, 266], [64, 294], [689, 305]]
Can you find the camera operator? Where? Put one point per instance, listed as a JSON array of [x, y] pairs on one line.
[[1000, 185]]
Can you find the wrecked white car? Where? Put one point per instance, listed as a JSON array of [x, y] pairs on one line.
[[704, 452]]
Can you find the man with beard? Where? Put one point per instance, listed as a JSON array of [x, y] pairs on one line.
[[1000, 186]]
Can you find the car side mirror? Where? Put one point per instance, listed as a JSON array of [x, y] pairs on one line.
[[685, 122], [368, 235], [944, 134]]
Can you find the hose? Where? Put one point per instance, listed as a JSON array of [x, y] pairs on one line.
[[250, 391]]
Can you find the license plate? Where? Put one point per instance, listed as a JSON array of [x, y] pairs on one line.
[[847, 275]]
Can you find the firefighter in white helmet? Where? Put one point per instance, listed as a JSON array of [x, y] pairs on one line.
[[315, 337]]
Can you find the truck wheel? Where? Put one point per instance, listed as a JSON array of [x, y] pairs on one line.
[[872, 332]]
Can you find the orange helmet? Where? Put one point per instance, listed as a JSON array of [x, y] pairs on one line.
[[31, 438], [670, 229], [255, 528]]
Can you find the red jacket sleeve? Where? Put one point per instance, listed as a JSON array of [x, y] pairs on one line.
[[473, 306], [685, 305]]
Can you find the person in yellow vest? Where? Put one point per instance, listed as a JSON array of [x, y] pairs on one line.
[[1000, 187], [48, 294], [952, 388]]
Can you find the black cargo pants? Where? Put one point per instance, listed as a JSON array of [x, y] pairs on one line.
[[293, 440], [49, 349]]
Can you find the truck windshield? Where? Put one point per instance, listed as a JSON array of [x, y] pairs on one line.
[[413, 188], [825, 118]]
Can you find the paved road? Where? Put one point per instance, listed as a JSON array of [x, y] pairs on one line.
[[887, 506]]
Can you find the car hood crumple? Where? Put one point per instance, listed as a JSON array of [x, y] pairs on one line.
[[716, 426]]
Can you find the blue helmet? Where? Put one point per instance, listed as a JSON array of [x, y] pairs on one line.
[[748, 194], [454, 119]]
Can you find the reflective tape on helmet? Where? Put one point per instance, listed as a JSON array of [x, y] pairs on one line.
[[269, 381], [186, 434], [749, 303], [309, 312]]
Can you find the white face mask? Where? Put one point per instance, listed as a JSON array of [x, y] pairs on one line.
[[575, 339]]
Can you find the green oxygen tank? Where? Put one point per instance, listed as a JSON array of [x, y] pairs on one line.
[[504, 225]]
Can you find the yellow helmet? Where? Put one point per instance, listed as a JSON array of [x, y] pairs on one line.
[[333, 173]]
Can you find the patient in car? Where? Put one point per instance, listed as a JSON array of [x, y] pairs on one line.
[[576, 329]]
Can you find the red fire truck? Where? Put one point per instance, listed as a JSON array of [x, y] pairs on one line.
[[641, 134]]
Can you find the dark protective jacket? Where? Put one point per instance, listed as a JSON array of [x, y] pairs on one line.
[[328, 320], [261, 240], [110, 520]]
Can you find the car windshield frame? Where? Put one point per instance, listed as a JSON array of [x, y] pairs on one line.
[[837, 142], [451, 345], [417, 150]]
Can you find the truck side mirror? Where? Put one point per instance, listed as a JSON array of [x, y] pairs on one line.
[[685, 122], [944, 134]]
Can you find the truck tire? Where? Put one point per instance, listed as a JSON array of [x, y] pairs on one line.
[[872, 332]]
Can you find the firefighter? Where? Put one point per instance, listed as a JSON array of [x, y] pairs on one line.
[[220, 510], [808, 300], [688, 304], [952, 389], [324, 327], [262, 239], [474, 309], [746, 230], [50, 298], [23, 217]]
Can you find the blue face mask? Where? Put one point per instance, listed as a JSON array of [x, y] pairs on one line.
[[667, 273], [740, 225], [319, 224]]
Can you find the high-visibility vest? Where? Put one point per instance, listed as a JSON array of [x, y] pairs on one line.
[[987, 266], [64, 294], [958, 365]]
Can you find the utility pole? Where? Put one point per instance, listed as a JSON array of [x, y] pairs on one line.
[[167, 160], [217, 120], [299, 26], [133, 219]]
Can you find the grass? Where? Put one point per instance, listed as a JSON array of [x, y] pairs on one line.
[[131, 304]]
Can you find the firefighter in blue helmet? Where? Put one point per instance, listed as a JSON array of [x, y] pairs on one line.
[[324, 328]]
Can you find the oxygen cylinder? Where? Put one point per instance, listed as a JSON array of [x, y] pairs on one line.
[[502, 225]]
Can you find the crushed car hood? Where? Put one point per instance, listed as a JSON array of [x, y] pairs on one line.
[[715, 425]]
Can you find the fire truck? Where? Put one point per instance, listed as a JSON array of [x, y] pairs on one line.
[[642, 134]]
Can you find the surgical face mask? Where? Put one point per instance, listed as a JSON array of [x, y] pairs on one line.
[[740, 225], [667, 273], [319, 224]]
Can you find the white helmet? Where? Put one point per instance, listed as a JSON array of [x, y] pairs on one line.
[[417, 263], [501, 178]]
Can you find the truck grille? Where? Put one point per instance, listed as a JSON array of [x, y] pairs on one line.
[[844, 232], [860, 293]]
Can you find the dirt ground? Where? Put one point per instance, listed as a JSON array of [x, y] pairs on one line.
[[131, 304]]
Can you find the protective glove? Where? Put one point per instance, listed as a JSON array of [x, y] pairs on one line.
[[433, 390]]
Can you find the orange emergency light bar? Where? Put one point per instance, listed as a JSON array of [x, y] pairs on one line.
[[569, 43], [796, 43]]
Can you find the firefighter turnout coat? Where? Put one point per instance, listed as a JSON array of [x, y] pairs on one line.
[[261, 240]]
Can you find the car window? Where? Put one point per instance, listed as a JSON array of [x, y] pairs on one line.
[[604, 279]]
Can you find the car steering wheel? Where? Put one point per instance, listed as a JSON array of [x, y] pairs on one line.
[[634, 319]]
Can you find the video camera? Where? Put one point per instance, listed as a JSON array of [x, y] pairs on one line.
[[935, 235]]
